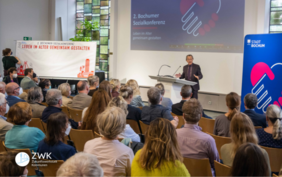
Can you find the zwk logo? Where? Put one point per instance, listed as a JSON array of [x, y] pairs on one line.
[[41, 155], [22, 159]]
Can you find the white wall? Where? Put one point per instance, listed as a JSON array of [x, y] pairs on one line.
[[19, 18], [222, 71]]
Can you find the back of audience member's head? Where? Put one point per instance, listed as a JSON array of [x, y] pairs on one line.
[[192, 111], [93, 80], [233, 103], [8, 165], [115, 84], [13, 88], [161, 87], [99, 103], [65, 89], [44, 84], [186, 91], [154, 95], [2, 87], [111, 122], [126, 92], [82, 86], [81, 164], [105, 85], [53, 97], [20, 113], [250, 101], [160, 145], [249, 161], [242, 131], [274, 114], [120, 103], [28, 71], [134, 85], [34, 95], [57, 124]]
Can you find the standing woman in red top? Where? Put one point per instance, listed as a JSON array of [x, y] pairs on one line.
[[9, 60]]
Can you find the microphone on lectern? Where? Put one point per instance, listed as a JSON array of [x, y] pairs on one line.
[[176, 71], [161, 68]]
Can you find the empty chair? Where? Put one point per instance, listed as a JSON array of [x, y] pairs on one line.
[[220, 141], [36, 122], [75, 114], [134, 125], [51, 169], [144, 127], [198, 167], [80, 137], [207, 125], [275, 159], [221, 169]]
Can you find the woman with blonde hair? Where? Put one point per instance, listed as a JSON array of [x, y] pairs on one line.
[[114, 157], [93, 82], [271, 136], [66, 92], [160, 155], [136, 100], [115, 83], [242, 131], [128, 131], [222, 122]]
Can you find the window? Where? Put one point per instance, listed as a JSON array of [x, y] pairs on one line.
[[96, 11], [275, 25]]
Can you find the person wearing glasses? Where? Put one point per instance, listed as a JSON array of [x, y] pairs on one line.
[[4, 125], [13, 91]]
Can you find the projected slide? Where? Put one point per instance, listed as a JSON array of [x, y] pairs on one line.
[[188, 25]]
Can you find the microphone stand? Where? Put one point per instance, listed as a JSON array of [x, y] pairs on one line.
[[161, 68]]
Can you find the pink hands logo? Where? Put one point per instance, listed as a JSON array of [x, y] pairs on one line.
[[264, 87], [84, 70], [192, 23]]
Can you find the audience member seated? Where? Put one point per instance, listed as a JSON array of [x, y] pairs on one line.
[[198, 145], [57, 127], [81, 165], [166, 102], [93, 82], [99, 103], [21, 136], [2, 88], [66, 92], [156, 110], [160, 155], [82, 100], [35, 98], [250, 102], [54, 101], [115, 83], [271, 136], [137, 100], [45, 85], [4, 125], [133, 113], [12, 77], [222, 122], [13, 91], [114, 157], [8, 165], [128, 131], [186, 94], [105, 85], [249, 161], [27, 81], [242, 131]]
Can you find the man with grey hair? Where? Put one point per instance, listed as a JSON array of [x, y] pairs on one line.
[[156, 110], [194, 143], [250, 102], [54, 101], [4, 125]]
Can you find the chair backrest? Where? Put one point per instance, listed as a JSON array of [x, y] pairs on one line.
[[26, 91], [220, 141], [275, 158], [181, 121], [80, 137], [75, 114], [144, 127], [51, 168], [66, 111], [207, 125], [274, 175], [173, 114], [198, 167], [36, 122], [221, 169], [134, 125], [2, 147], [45, 104], [44, 126], [258, 127], [140, 107]]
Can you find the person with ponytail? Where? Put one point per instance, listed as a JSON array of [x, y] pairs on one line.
[[9, 61], [222, 122], [271, 136]]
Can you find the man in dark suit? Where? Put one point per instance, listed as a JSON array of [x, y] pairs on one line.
[[186, 93], [192, 72], [250, 102], [13, 91]]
